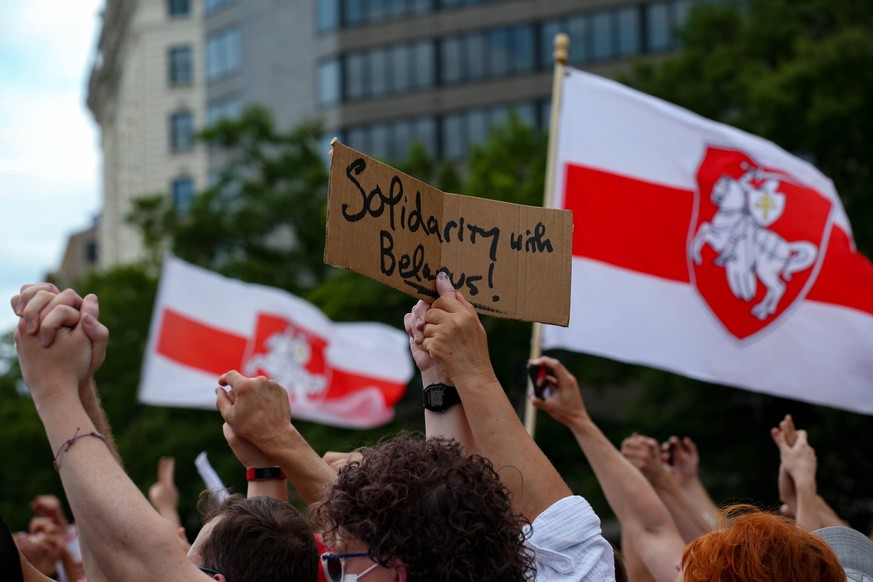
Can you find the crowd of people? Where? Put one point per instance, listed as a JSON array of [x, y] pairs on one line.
[[475, 498]]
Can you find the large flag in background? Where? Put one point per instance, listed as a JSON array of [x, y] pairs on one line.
[[707, 251], [343, 374]]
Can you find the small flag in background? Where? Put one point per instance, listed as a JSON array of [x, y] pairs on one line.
[[704, 250], [204, 324]]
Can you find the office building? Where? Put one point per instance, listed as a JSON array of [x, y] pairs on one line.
[[146, 92], [379, 73]]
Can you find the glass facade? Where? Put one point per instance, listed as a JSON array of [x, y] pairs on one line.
[[449, 136], [223, 53], [600, 35], [215, 5], [225, 108]]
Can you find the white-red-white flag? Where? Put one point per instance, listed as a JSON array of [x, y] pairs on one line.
[[704, 250], [204, 324]]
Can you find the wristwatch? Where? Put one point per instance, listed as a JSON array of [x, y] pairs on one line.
[[264, 473], [440, 397]]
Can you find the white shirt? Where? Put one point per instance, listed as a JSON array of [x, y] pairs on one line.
[[568, 544]]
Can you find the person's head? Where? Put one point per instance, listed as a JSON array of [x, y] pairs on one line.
[[423, 510], [755, 546], [259, 539]]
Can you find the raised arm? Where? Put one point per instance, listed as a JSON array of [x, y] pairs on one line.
[[642, 514], [566, 537], [644, 453], [785, 436], [257, 410], [456, 340], [251, 457], [102, 497], [451, 423], [685, 468]]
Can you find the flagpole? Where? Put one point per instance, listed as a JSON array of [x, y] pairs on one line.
[[562, 47]]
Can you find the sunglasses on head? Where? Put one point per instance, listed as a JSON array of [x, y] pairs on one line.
[[334, 565]]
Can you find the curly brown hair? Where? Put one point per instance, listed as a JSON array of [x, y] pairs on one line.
[[443, 514]]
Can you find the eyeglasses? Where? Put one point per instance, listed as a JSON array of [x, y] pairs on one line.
[[209, 571], [335, 565]]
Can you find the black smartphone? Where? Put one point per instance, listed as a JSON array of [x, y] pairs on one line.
[[537, 373]]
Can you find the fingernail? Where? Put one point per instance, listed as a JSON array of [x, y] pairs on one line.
[[88, 320], [29, 326], [442, 276]]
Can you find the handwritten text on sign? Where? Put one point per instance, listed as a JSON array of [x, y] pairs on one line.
[[509, 260]]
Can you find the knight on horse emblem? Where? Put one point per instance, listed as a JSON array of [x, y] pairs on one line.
[[746, 248]]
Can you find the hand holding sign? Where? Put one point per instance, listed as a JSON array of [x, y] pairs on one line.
[[454, 336], [509, 260]]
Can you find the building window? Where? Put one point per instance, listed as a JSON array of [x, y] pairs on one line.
[[181, 66], [91, 251], [327, 15], [601, 28], [329, 82], [183, 196], [353, 12], [214, 5], [181, 131], [658, 31], [176, 8], [223, 53], [452, 63], [424, 64], [628, 31], [226, 108], [355, 77]]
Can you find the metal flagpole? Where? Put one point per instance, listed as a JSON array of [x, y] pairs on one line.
[[562, 47]]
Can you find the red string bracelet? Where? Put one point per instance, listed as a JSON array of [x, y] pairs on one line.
[[69, 443]]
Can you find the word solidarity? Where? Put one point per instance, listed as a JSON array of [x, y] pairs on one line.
[[509, 260]]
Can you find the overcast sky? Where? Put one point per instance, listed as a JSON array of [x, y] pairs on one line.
[[49, 150]]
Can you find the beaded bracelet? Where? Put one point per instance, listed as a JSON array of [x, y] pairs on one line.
[[69, 443]]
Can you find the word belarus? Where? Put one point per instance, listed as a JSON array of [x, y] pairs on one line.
[[510, 260]]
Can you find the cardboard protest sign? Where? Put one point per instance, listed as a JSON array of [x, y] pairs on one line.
[[509, 260]]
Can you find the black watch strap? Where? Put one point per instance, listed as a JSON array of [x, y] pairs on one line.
[[440, 397]]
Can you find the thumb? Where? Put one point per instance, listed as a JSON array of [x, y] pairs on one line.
[[444, 285], [223, 403], [96, 331]]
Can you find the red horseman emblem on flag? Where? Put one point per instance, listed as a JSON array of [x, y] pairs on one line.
[[292, 356], [756, 242]]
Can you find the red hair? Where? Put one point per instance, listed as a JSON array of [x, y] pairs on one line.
[[756, 546]]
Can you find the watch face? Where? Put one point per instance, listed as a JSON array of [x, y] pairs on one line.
[[439, 397], [267, 473]]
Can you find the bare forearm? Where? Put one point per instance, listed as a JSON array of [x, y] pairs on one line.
[[642, 515], [808, 508], [90, 399], [701, 499], [500, 436], [306, 470], [685, 513], [106, 503], [451, 423], [275, 488], [636, 569]]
